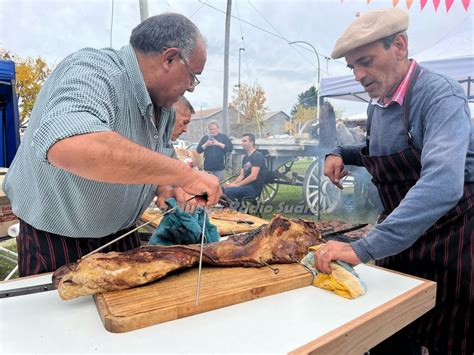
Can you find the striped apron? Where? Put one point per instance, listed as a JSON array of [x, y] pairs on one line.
[[40, 251], [444, 253]]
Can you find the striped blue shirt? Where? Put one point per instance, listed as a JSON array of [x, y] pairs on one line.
[[89, 91]]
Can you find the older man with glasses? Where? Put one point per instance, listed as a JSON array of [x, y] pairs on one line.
[[97, 149]]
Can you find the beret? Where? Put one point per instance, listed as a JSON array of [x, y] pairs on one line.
[[370, 27]]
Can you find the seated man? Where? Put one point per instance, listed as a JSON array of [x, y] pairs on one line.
[[251, 180]]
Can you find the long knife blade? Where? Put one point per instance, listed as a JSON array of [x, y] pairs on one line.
[[342, 231], [26, 290]]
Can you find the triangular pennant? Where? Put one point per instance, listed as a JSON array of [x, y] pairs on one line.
[[465, 3], [422, 4], [409, 3], [368, 2], [436, 4], [448, 3], [395, 3]]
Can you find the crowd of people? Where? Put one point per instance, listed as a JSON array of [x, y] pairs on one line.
[[98, 150]]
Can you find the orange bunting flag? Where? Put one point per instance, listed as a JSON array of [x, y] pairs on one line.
[[422, 4], [395, 3], [465, 3], [436, 4], [448, 3], [409, 3]]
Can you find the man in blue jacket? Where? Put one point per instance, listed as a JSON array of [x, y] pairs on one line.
[[420, 153]]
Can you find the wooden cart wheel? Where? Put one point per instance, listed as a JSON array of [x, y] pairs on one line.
[[270, 188], [268, 193], [326, 191]]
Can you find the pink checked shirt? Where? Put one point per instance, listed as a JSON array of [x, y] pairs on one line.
[[401, 91]]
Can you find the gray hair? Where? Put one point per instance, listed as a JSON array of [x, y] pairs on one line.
[[213, 123], [387, 41], [169, 30], [185, 102]]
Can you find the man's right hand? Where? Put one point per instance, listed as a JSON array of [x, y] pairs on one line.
[[334, 169], [200, 183]]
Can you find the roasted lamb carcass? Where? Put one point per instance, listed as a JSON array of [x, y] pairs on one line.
[[282, 241], [112, 271]]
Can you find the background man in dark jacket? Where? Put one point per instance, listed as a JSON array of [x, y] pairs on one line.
[[215, 146]]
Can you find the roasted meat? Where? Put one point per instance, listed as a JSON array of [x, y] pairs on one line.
[[283, 241], [112, 271], [280, 242]]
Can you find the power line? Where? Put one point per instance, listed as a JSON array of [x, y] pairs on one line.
[[195, 12], [261, 29], [273, 27]]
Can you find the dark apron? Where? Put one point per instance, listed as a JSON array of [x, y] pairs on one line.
[[443, 254]]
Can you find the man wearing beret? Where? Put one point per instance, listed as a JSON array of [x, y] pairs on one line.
[[420, 153]]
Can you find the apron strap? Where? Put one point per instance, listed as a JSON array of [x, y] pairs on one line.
[[406, 104], [406, 110]]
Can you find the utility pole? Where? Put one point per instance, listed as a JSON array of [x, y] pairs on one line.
[[143, 10], [225, 104], [238, 105]]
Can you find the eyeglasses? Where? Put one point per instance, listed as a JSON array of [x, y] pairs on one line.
[[194, 81]]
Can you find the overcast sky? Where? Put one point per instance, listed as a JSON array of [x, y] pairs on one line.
[[53, 29]]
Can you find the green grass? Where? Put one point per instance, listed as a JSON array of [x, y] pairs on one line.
[[293, 195], [6, 265]]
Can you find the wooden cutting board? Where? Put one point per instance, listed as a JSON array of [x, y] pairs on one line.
[[174, 296], [223, 227]]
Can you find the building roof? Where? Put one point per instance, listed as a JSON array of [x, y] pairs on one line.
[[206, 113], [269, 115]]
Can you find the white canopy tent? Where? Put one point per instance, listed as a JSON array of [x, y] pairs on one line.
[[452, 56]]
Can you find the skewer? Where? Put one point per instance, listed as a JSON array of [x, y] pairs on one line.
[[129, 232], [307, 268], [203, 237], [275, 270], [135, 229]]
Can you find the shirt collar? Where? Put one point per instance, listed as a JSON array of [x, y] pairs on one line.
[[136, 79], [401, 91]]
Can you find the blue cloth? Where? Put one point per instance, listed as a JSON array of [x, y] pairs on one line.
[[180, 227]]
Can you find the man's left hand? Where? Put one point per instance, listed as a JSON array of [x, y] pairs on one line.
[[231, 184], [333, 250]]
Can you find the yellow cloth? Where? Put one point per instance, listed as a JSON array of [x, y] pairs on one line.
[[343, 280]]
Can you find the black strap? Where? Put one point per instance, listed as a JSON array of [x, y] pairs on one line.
[[406, 109], [370, 113], [406, 104]]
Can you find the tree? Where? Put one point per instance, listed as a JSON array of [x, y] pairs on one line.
[[301, 115], [304, 110], [252, 103], [306, 99], [31, 74]]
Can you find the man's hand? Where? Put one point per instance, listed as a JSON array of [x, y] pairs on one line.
[[334, 169], [231, 184], [333, 250], [200, 183], [182, 198]]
